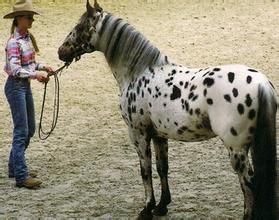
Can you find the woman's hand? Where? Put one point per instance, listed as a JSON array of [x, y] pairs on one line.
[[49, 70], [42, 78]]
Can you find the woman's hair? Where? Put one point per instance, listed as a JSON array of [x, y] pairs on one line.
[[33, 40]]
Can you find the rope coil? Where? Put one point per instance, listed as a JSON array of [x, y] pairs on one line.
[[43, 135]]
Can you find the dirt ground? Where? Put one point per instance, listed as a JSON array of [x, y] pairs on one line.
[[88, 167]]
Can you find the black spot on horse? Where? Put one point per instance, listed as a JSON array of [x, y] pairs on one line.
[[205, 74], [252, 114], [187, 106], [191, 95], [249, 79], [195, 98], [138, 90], [186, 85], [208, 82], [216, 69], [209, 101], [228, 98], [176, 93], [248, 100], [134, 109], [233, 131], [130, 113], [242, 168], [146, 82], [231, 77], [193, 87], [173, 72], [151, 70], [141, 111], [167, 80], [181, 83], [198, 111], [149, 90], [235, 92], [205, 92], [140, 83], [206, 122], [240, 108], [253, 70], [183, 129], [191, 112]]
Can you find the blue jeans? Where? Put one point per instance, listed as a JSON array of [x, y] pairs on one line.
[[19, 96]]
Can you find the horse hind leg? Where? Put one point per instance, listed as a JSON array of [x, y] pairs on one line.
[[161, 151], [241, 165]]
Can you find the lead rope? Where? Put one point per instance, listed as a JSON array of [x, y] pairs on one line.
[[43, 135]]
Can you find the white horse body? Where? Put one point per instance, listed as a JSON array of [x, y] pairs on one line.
[[160, 101], [205, 121]]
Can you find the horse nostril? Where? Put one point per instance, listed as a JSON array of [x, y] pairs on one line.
[[61, 53]]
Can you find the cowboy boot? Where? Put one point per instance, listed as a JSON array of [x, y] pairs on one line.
[[30, 183]]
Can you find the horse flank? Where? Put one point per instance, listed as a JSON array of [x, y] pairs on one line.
[[124, 46]]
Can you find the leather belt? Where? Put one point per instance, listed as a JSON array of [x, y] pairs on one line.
[[23, 80]]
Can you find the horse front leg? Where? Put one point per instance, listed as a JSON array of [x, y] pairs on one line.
[[161, 150], [142, 143]]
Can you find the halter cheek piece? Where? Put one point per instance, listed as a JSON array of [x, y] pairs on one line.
[[92, 29]]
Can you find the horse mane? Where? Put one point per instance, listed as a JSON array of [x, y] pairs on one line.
[[125, 46]]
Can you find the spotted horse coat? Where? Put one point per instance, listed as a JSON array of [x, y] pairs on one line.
[[161, 100]]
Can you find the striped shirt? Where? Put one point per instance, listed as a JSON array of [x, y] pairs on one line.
[[20, 56]]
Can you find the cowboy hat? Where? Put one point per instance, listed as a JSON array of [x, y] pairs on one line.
[[22, 7]]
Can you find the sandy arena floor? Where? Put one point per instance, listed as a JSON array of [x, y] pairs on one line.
[[89, 168]]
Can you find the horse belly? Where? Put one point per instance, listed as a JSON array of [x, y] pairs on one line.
[[176, 124]]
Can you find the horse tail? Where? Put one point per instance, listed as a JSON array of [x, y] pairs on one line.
[[264, 156]]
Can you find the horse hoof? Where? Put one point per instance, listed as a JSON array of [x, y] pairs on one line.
[[145, 215], [160, 211]]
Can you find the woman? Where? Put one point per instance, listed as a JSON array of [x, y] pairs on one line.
[[21, 68]]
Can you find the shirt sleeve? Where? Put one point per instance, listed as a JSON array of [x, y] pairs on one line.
[[13, 56], [40, 66]]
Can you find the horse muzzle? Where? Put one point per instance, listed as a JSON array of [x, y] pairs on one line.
[[65, 54]]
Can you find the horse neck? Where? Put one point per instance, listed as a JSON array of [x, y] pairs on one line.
[[127, 51]]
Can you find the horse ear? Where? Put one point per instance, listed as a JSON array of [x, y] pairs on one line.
[[97, 6], [90, 9]]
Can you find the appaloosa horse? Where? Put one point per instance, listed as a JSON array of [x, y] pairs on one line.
[[161, 100]]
